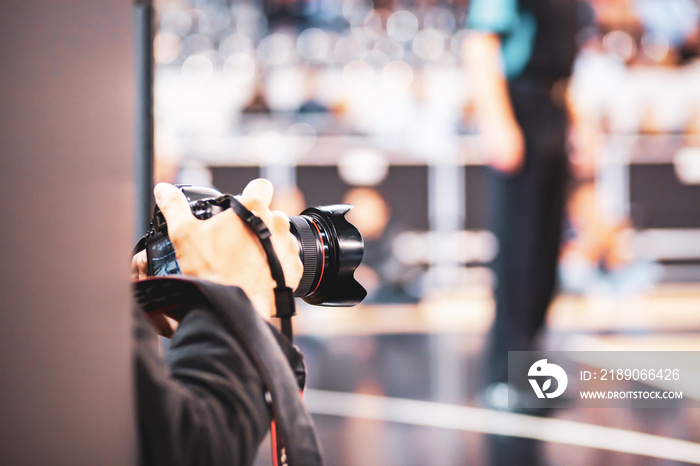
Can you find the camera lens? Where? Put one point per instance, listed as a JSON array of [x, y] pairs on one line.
[[330, 248]]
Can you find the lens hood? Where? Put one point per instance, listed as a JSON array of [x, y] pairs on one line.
[[331, 248]]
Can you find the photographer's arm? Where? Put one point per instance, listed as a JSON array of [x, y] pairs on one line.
[[207, 405]]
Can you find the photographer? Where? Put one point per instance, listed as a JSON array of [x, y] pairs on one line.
[[207, 405]]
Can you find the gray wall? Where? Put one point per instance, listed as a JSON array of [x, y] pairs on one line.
[[67, 92]]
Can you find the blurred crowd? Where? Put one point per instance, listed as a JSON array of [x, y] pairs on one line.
[[260, 82], [389, 67]]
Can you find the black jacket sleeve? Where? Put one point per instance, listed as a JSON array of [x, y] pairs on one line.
[[206, 406]]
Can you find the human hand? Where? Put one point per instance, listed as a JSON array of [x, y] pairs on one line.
[[139, 266], [139, 270], [504, 145], [222, 249]]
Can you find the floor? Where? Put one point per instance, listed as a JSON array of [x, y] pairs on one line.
[[399, 385]]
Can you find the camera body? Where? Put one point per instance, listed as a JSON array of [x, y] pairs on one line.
[[330, 248], [159, 249]]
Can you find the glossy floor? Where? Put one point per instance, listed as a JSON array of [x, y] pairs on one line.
[[401, 385]]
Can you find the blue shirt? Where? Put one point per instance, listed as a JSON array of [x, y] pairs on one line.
[[516, 27]]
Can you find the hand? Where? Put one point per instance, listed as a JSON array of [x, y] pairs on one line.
[[222, 249], [139, 266], [504, 145], [139, 270]]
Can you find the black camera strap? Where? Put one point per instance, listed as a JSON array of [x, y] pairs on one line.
[[284, 295], [284, 299]]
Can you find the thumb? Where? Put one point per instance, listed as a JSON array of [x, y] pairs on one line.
[[173, 203]]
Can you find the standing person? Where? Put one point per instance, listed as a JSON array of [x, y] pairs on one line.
[[520, 56]]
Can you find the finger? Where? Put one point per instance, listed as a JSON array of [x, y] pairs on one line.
[[134, 269], [173, 204], [257, 195], [279, 222], [139, 266]]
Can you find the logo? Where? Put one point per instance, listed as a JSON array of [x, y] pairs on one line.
[[543, 369]]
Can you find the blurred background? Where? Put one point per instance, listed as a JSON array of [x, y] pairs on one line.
[[371, 103]]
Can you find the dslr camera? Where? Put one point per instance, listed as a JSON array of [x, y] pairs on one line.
[[330, 248]]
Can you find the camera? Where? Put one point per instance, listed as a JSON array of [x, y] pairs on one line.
[[330, 248]]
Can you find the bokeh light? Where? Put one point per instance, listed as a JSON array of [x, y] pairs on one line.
[[429, 44], [363, 166], [277, 49], [196, 43], [402, 25], [239, 69], [313, 44], [620, 44], [249, 21], [373, 26], [235, 43], [441, 19], [655, 46], [198, 69], [166, 48]]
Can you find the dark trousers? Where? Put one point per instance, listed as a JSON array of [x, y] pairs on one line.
[[527, 212]]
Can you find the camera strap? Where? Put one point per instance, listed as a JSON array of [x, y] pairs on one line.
[[284, 300], [284, 295]]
